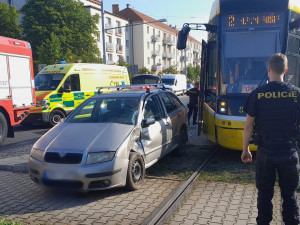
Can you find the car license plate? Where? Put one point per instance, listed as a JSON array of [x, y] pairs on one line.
[[53, 175]]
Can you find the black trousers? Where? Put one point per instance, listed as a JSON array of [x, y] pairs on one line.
[[287, 166], [193, 109]]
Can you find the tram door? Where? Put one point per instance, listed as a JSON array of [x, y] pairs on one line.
[[202, 87], [207, 91]]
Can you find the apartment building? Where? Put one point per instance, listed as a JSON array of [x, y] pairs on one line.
[[115, 39], [153, 45], [116, 34]]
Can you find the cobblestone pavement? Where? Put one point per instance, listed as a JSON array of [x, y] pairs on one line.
[[23, 201], [222, 203]]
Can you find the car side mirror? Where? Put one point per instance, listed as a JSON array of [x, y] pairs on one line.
[[147, 122]]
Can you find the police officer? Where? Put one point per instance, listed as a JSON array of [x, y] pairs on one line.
[[193, 93], [273, 113]]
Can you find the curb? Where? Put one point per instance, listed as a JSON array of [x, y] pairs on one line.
[[16, 168]]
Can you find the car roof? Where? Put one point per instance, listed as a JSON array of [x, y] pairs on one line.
[[129, 93]]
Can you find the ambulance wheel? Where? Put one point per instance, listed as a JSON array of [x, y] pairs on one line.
[[135, 172], [55, 117], [3, 128]]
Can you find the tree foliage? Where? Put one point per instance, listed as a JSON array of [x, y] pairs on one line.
[[122, 62], [193, 73], [171, 70], [60, 29], [144, 70], [9, 17]]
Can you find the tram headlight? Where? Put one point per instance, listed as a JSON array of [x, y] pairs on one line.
[[223, 107]]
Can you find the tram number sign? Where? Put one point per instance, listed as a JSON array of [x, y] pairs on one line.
[[253, 19], [248, 88]]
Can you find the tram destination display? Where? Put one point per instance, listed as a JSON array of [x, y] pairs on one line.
[[253, 20]]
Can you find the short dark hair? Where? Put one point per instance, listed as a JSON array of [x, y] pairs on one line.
[[278, 63], [196, 83]]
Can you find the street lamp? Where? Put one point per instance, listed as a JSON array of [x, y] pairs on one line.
[[128, 25]]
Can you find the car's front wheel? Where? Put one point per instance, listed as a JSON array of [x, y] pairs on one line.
[[135, 172]]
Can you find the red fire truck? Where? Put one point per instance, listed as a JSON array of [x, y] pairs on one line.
[[17, 94]]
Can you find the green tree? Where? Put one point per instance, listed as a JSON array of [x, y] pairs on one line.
[[191, 75], [60, 29], [122, 62], [9, 17], [171, 70], [144, 70]]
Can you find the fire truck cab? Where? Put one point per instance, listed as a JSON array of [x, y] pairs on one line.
[[17, 94]]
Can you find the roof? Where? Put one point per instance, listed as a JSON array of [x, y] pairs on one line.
[[97, 2], [135, 16]]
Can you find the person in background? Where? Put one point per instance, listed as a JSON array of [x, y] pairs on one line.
[[273, 113], [193, 94]]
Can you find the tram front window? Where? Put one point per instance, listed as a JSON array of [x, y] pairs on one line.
[[245, 59]]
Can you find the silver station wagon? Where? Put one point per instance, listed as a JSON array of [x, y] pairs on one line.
[[109, 141]]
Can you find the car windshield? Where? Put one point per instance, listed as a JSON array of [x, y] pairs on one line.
[[122, 110], [47, 82], [168, 81]]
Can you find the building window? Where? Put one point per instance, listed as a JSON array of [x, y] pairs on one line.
[[148, 45], [118, 41], [159, 33], [127, 28], [108, 20], [147, 29], [98, 37], [109, 57], [153, 31], [109, 39], [127, 43], [127, 59], [118, 23], [148, 60]]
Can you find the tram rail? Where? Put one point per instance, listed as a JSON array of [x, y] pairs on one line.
[[166, 208]]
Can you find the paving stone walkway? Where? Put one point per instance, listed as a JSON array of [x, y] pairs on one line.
[[222, 203]]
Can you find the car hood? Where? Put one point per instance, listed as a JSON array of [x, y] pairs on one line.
[[84, 137]]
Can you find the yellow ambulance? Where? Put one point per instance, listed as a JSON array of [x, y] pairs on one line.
[[60, 88]]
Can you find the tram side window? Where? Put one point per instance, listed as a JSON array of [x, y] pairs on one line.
[[210, 97]]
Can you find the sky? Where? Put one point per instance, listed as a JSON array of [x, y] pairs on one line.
[[188, 11]]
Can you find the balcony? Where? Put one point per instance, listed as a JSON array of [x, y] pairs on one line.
[[154, 67], [182, 58], [109, 47], [108, 26], [119, 32], [119, 49], [110, 62], [168, 41], [155, 53], [165, 55], [155, 38], [196, 60], [196, 50], [165, 67], [170, 56]]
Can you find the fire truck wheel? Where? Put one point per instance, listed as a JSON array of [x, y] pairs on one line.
[[3, 128], [56, 116]]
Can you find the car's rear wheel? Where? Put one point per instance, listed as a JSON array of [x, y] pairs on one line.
[[182, 142], [135, 172], [56, 116]]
